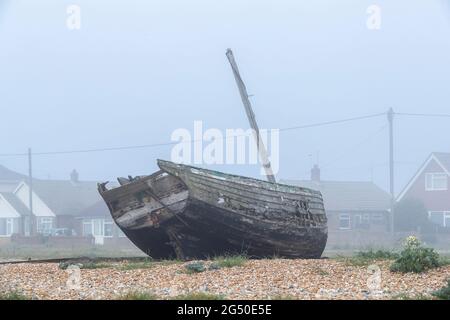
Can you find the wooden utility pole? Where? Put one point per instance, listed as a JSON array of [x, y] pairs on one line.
[[251, 118], [390, 115], [30, 188]]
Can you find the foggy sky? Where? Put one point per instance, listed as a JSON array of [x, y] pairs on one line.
[[137, 70]]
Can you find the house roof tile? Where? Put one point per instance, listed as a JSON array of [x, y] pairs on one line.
[[348, 195], [16, 203]]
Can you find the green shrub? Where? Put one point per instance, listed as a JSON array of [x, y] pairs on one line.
[[405, 296], [84, 265], [199, 296], [13, 295], [365, 258], [377, 255], [136, 265], [138, 295], [214, 266], [283, 297], [95, 265], [444, 260], [195, 267], [230, 261], [415, 258], [444, 292]]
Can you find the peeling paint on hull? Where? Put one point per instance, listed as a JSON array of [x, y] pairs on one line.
[[197, 213]]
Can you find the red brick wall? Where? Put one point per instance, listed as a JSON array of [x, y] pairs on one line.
[[433, 200]]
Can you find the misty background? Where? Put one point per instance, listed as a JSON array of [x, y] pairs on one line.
[[136, 71]]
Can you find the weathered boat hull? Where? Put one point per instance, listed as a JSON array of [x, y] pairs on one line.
[[198, 213], [255, 239]]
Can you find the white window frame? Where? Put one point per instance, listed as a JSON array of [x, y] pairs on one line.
[[105, 222], [45, 221], [445, 215], [9, 224], [92, 222], [97, 223], [345, 216], [87, 222], [430, 178]]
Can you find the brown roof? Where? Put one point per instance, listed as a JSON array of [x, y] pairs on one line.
[[9, 175], [444, 159], [348, 195], [63, 197], [98, 210]]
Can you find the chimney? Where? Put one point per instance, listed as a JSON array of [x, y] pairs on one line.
[[74, 176], [315, 173]]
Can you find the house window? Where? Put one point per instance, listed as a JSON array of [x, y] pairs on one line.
[[436, 181], [365, 219], [344, 221], [361, 221], [108, 229], [6, 227], [357, 219], [447, 219], [87, 228], [437, 217], [97, 228], [45, 225]]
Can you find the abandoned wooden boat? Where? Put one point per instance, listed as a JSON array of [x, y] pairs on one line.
[[187, 212]]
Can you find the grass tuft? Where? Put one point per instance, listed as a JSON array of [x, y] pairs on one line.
[[404, 296], [199, 296], [230, 261], [444, 292], [195, 267], [138, 295], [136, 265], [377, 255], [283, 297], [13, 295], [365, 258]]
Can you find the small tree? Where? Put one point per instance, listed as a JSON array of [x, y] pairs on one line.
[[415, 258], [411, 215]]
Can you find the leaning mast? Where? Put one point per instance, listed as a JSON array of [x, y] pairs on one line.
[[251, 118]]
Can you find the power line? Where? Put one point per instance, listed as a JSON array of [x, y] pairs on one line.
[[318, 124], [355, 147], [435, 115], [143, 146]]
